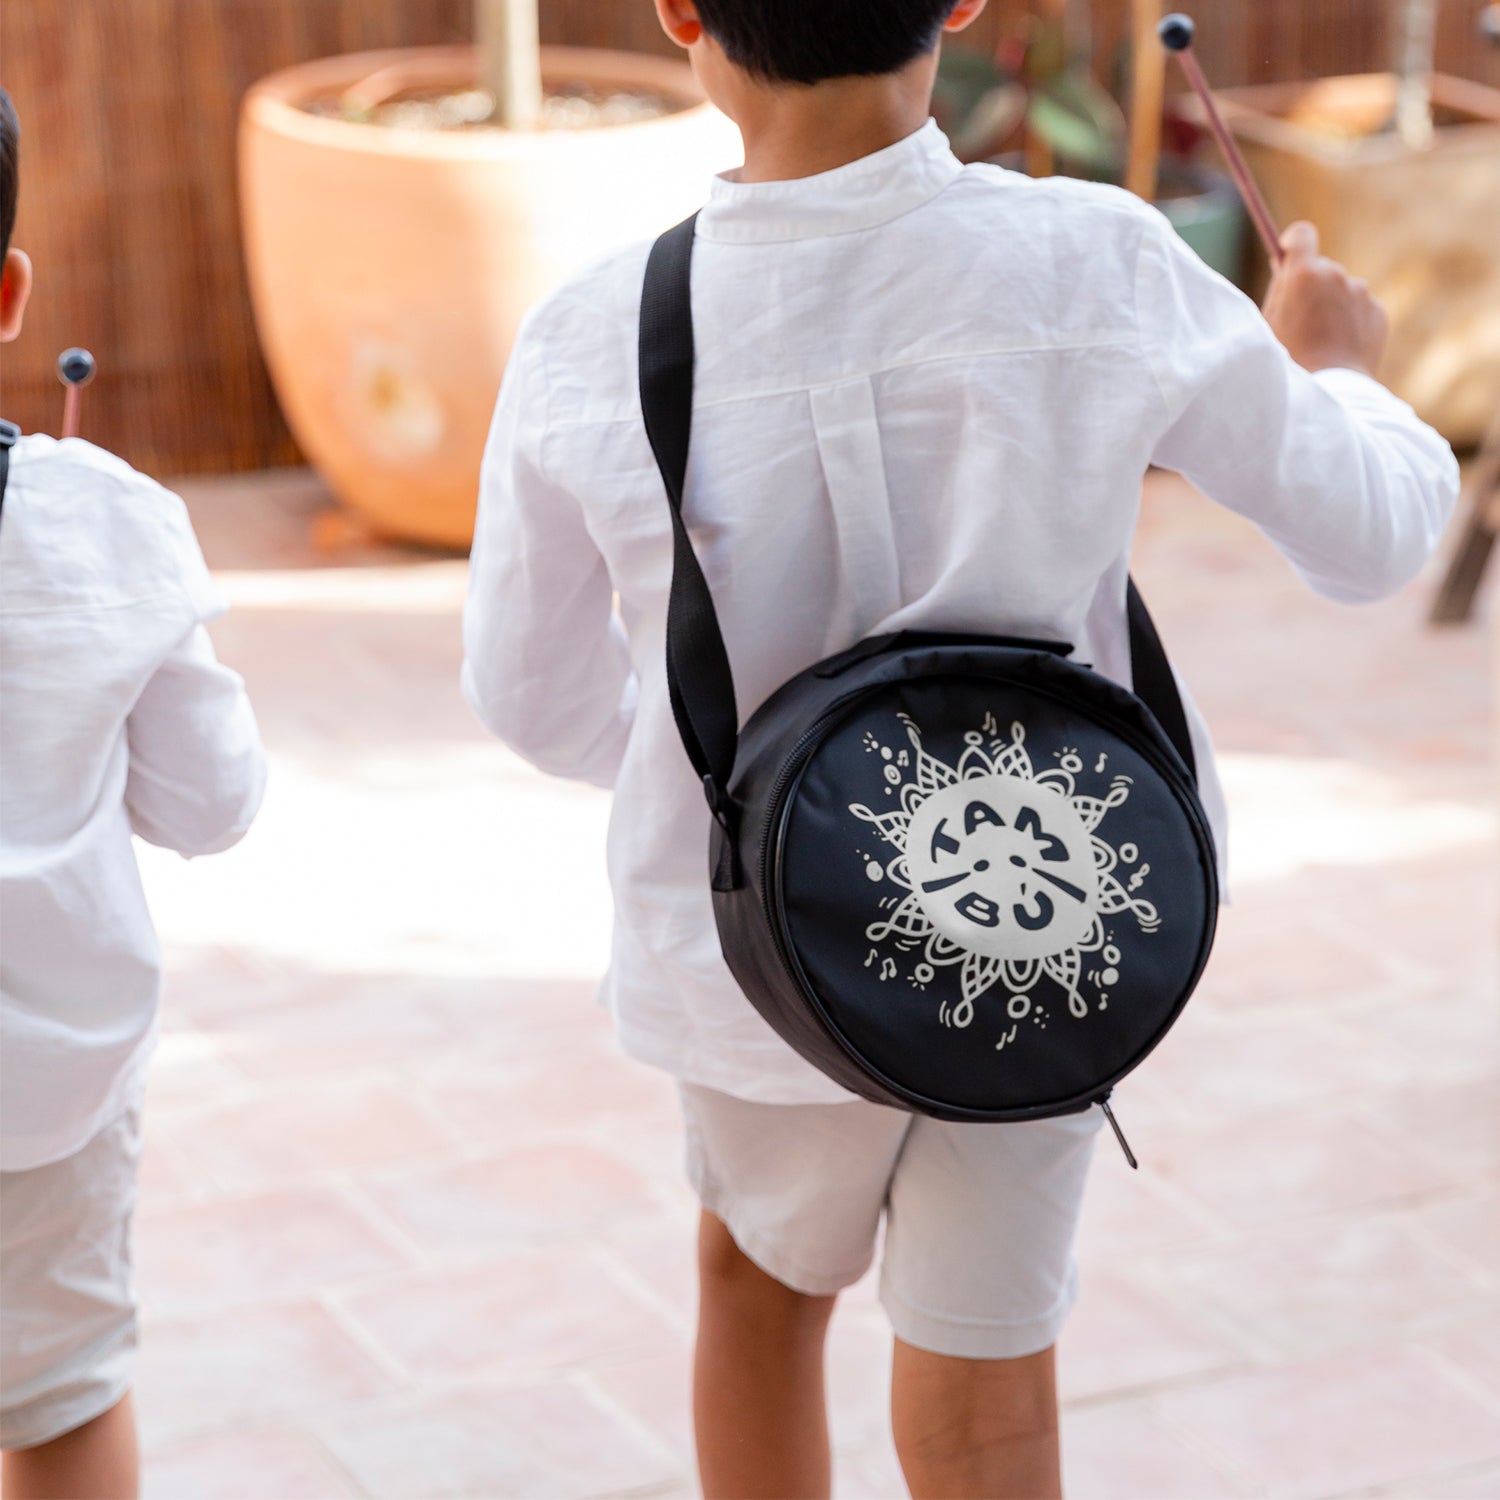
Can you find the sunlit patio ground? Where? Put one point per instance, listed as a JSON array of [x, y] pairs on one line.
[[411, 1227]]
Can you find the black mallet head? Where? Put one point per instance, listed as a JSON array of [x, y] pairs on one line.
[[1177, 32], [75, 367]]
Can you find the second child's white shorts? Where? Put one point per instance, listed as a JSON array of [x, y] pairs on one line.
[[67, 1311], [979, 1219]]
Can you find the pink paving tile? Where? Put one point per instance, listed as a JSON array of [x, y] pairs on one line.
[[334, 1025], [657, 1391], [245, 1368], [1217, 1067], [1129, 1213], [874, 1474], [663, 1259], [518, 1312], [546, 1192], [189, 1065], [1313, 1288], [163, 1173], [502, 1018], [1125, 1451], [1482, 1483], [250, 1464], [860, 1344], [1473, 1349], [1122, 1336], [200, 1257], [1339, 1425], [296, 1132], [1458, 1122], [562, 1088], [1289, 1165], [653, 1144], [1438, 1035], [554, 1441], [1273, 958], [207, 979], [1467, 1226]]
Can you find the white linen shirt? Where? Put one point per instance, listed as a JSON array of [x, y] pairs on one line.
[[114, 716], [926, 395]]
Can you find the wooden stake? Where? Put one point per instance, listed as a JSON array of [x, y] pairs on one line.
[[1148, 75], [510, 60], [1471, 553]]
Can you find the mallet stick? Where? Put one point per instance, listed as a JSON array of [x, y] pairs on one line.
[[75, 368], [1177, 33]]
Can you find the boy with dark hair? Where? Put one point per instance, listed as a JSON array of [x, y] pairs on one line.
[[115, 718], [925, 395]]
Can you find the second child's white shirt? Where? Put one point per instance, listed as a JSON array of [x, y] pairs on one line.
[[925, 397], [115, 718]]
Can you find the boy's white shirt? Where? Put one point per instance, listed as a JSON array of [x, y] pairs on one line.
[[114, 717], [926, 395]]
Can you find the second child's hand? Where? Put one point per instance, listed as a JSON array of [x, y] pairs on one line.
[[1327, 318]]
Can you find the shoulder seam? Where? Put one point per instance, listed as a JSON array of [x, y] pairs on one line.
[[803, 389]]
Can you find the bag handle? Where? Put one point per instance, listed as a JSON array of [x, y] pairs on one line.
[[699, 679]]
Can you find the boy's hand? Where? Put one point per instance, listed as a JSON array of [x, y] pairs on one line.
[[1326, 318]]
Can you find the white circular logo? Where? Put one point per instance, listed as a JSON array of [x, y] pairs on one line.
[[1004, 867]]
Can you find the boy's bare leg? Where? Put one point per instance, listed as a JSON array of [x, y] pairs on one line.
[[97, 1461], [976, 1429], [758, 1410]]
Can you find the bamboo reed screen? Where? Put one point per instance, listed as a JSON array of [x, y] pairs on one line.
[[128, 186]]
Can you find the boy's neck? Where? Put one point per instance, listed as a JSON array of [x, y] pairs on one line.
[[794, 132]]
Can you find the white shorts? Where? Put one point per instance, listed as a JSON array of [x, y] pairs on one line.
[[979, 1219], [67, 1311]]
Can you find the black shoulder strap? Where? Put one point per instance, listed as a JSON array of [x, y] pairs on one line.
[[1155, 685], [9, 434], [699, 678]]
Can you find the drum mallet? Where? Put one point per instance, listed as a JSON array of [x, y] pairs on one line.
[[75, 368], [1177, 33]]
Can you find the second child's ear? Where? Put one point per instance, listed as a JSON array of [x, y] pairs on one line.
[[679, 19], [15, 289], [962, 15]]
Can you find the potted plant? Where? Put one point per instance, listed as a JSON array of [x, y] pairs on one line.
[[1401, 173], [401, 212], [1035, 106]]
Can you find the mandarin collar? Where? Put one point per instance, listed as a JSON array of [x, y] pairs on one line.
[[859, 195]]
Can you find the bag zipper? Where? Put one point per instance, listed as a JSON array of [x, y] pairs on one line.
[[1114, 1125]]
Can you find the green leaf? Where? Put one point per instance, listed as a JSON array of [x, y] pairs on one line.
[[965, 79], [991, 122], [1080, 122]]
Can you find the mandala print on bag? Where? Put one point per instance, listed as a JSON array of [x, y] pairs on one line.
[[1005, 872]]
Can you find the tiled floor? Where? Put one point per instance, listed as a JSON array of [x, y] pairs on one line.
[[411, 1228]]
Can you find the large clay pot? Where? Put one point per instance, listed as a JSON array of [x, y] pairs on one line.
[[390, 267], [1422, 226]]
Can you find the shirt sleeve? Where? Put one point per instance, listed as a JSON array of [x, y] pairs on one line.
[[546, 663], [197, 771], [1338, 473]]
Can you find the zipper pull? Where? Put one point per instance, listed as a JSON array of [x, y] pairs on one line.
[[1114, 1125]]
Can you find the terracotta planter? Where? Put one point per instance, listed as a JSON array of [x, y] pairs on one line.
[[390, 268], [1423, 227]]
